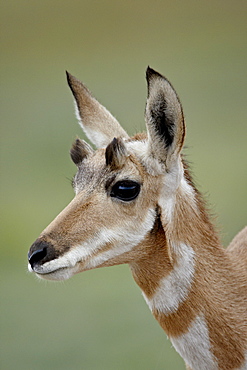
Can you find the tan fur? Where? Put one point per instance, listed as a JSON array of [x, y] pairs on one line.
[[94, 114], [150, 231]]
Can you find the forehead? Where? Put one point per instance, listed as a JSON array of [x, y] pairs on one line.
[[93, 171]]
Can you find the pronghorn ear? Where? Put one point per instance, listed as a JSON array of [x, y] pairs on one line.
[[97, 122], [80, 150], [164, 119], [115, 154]]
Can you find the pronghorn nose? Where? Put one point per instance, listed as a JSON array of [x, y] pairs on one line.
[[40, 252]]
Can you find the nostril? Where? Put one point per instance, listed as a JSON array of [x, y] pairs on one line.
[[36, 256], [40, 252]]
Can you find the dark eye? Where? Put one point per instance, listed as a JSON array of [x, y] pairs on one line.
[[125, 190]]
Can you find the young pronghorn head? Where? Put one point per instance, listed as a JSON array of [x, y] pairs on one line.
[[121, 189]]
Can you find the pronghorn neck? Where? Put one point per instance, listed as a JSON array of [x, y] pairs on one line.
[[169, 254], [185, 279]]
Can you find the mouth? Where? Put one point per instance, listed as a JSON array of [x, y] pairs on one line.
[[53, 273], [46, 264]]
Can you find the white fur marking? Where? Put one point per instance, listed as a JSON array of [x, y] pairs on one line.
[[125, 240], [140, 149], [95, 136], [171, 182], [194, 346], [122, 240], [175, 287]]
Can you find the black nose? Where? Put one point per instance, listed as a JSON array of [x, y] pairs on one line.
[[40, 252]]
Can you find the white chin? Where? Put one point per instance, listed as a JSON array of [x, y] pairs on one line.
[[52, 271], [63, 273]]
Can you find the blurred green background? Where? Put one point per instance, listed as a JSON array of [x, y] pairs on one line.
[[98, 319]]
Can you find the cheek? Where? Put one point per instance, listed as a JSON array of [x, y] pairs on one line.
[[115, 242]]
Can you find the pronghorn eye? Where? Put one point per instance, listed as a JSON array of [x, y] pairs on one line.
[[125, 190]]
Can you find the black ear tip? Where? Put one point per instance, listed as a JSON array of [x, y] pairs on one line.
[[70, 78], [151, 73], [149, 70]]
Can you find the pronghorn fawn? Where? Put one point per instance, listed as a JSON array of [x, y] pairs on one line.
[[135, 202]]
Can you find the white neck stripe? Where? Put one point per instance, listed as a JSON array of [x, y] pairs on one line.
[[175, 287], [194, 346]]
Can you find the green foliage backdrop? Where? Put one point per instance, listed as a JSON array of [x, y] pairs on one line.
[[98, 320]]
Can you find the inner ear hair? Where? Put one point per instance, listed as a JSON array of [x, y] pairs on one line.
[[80, 150], [164, 118]]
